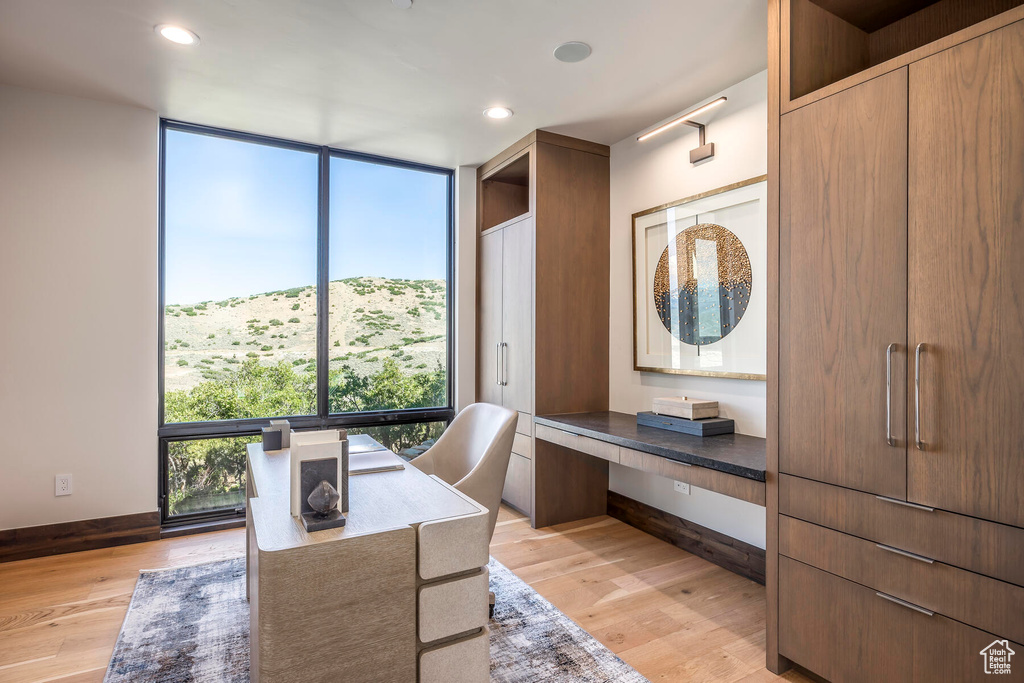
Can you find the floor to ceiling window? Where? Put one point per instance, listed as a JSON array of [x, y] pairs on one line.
[[301, 282]]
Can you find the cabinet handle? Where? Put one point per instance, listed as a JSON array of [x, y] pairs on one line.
[[904, 553], [888, 395], [504, 364], [897, 501], [917, 397], [908, 605], [497, 364]]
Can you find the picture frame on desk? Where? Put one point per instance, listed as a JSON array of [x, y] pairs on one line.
[[699, 284]]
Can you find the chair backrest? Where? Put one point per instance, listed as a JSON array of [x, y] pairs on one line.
[[473, 453]]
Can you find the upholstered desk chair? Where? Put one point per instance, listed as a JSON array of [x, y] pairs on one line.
[[472, 455]]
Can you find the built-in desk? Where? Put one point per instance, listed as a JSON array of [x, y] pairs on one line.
[[730, 464]]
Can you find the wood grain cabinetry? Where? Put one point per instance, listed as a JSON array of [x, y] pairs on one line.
[[843, 268], [895, 514], [967, 277], [543, 299]]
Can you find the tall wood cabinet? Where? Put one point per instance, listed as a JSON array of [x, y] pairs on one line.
[[896, 411], [542, 274]]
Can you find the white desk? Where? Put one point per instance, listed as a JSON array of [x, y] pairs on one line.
[[397, 594]]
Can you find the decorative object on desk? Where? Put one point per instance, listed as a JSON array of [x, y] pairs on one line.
[[698, 269], [315, 457], [286, 431], [686, 407], [711, 426], [324, 501], [271, 439]]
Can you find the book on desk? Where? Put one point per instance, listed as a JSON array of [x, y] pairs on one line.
[[379, 460]]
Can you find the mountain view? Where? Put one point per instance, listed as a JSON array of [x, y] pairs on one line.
[[255, 356]]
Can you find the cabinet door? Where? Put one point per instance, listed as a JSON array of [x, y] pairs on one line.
[[489, 319], [517, 315], [843, 283], [967, 277]]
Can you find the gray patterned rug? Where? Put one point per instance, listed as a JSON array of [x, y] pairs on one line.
[[191, 625]]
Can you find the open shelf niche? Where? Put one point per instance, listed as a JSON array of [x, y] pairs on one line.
[[505, 194]]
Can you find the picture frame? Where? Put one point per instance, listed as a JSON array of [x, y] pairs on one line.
[[700, 268]]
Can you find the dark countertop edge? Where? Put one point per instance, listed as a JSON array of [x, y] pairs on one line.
[[667, 453]]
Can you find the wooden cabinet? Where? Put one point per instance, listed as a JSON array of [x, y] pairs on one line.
[[967, 277], [542, 342], [843, 269], [896, 417]]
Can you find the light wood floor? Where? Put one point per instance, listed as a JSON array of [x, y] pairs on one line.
[[671, 615]]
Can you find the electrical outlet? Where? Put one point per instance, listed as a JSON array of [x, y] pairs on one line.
[[62, 485], [682, 487]]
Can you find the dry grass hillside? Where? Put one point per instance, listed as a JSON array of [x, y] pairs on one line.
[[370, 319]]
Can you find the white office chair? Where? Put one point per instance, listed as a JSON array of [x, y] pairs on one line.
[[472, 455]]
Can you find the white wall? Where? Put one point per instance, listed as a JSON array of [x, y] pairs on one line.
[[78, 314], [465, 286], [654, 172]]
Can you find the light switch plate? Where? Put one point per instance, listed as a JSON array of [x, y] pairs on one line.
[[682, 487]]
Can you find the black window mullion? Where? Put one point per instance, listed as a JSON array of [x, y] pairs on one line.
[[323, 304]]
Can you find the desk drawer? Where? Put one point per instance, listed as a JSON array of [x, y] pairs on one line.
[[600, 449], [558, 436], [996, 550], [453, 545], [448, 608], [988, 604], [467, 660], [730, 485]]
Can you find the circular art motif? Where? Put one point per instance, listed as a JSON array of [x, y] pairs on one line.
[[702, 284]]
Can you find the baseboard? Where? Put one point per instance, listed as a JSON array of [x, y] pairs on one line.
[[70, 537], [725, 551]]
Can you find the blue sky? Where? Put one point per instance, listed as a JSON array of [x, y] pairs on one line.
[[241, 219]]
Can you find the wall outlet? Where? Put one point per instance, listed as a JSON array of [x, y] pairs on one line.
[[62, 485], [682, 487]]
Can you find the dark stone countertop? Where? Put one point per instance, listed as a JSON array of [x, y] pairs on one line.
[[736, 454]]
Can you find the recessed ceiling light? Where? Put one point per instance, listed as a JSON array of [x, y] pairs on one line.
[[497, 112], [573, 51], [177, 34]]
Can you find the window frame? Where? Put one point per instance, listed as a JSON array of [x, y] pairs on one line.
[[323, 418]]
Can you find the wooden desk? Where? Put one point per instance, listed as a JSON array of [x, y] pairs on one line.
[[397, 594], [730, 464]]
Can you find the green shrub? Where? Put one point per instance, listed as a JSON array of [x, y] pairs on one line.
[[337, 342], [275, 322], [207, 361], [293, 320], [295, 307], [252, 354], [280, 346], [211, 336], [182, 362], [235, 343], [172, 347], [183, 345], [266, 348]]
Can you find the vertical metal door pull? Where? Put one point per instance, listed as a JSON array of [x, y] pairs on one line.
[[504, 364], [888, 395], [497, 364], [917, 397]]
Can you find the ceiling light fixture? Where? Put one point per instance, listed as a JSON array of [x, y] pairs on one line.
[[573, 51], [498, 112], [704, 151], [177, 34]]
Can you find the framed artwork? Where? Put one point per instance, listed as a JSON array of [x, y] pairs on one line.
[[699, 294]]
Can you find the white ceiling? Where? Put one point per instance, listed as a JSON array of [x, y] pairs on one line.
[[363, 75]]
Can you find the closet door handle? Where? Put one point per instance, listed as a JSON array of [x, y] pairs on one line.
[[904, 603], [497, 364], [888, 395], [917, 397], [504, 364]]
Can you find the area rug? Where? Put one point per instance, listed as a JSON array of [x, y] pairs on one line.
[[191, 625]]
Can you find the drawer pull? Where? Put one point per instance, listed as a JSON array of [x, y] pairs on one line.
[[887, 499], [906, 604], [904, 553]]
